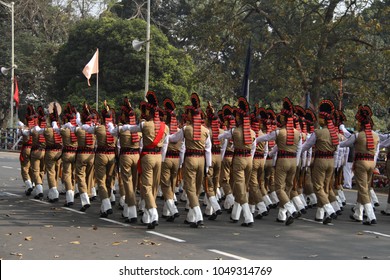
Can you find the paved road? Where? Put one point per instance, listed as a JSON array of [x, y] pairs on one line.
[[38, 230]]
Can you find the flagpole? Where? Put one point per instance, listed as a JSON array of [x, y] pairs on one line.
[[97, 91]]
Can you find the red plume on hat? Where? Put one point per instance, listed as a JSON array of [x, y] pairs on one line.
[[288, 112], [228, 115], [108, 113], [270, 125], [243, 110], [363, 116], [31, 116], [301, 113], [195, 111], [326, 111], [310, 118], [152, 104], [169, 107], [128, 117]]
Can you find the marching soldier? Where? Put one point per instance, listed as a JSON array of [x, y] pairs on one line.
[[213, 208], [170, 162], [85, 155], [197, 158], [269, 170], [326, 142], [128, 159], [25, 152], [226, 180], [366, 143], [154, 132], [38, 154], [308, 190], [256, 182], [69, 140], [104, 157], [243, 137], [53, 150], [288, 143]]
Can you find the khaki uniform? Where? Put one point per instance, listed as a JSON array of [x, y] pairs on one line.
[[24, 158], [104, 162], [225, 180], [151, 163], [257, 175], [84, 164], [169, 170], [213, 176], [37, 159], [128, 160], [364, 166], [68, 159], [194, 164], [286, 165], [323, 166], [52, 157]]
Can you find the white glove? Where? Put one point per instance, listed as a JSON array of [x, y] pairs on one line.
[[79, 123], [110, 126], [85, 126], [342, 127], [54, 124], [78, 116], [68, 125], [20, 124], [207, 170]]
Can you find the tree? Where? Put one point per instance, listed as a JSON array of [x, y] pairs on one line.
[[121, 70]]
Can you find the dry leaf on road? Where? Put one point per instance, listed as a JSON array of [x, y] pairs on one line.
[[74, 242], [28, 238]]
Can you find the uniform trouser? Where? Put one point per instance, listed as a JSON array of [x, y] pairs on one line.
[[38, 166], [269, 175], [242, 169], [363, 170], [84, 171], [150, 178], [284, 178], [25, 163], [68, 169], [217, 165], [255, 194], [339, 178], [308, 184], [104, 170], [129, 176], [295, 190], [348, 174], [225, 180], [321, 174], [52, 162], [193, 174], [214, 175], [169, 171]]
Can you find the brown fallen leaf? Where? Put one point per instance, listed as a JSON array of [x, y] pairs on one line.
[[95, 228], [56, 256], [147, 256], [48, 226], [74, 242], [359, 233], [116, 243], [28, 238]]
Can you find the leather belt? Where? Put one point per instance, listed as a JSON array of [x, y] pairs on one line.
[[194, 153], [85, 150], [326, 155], [128, 151], [361, 156], [242, 152], [105, 150], [258, 155], [151, 150], [229, 154], [285, 154], [172, 154]]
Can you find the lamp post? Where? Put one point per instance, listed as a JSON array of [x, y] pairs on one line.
[[11, 7], [147, 49]]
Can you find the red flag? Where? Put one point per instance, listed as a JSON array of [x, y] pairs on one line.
[[16, 92], [92, 67]]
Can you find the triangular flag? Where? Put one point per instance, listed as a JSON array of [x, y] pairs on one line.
[[16, 92], [92, 67]]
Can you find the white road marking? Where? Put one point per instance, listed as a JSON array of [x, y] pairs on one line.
[[377, 233], [10, 194], [114, 222], [166, 236], [73, 210], [39, 201], [8, 167], [227, 254]]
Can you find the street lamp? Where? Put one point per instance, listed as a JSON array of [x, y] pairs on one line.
[[11, 7]]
